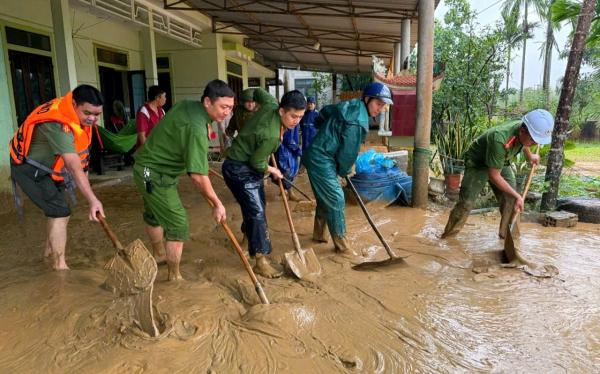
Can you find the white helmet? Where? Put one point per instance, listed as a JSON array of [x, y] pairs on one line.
[[540, 123]]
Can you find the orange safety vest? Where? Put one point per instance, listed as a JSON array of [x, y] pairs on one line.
[[58, 110]]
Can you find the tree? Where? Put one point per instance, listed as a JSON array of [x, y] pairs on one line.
[[561, 122], [523, 6], [514, 36]]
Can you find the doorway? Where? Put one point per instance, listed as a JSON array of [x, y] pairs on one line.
[[237, 85], [137, 90], [111, 86], [164, 82], [32, 80]]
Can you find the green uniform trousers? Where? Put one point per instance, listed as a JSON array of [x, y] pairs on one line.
[[163, 207], [471, 186]]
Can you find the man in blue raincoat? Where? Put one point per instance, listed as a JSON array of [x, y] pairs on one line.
[[288, 159], [307, 127], [341, 129]]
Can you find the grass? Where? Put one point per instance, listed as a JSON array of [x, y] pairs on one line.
[[584, 152]]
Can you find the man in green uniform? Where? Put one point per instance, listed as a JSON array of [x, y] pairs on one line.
[[341, 129], [53, 141], [241, 113], [176, 146], [488, 159], [247, 161]]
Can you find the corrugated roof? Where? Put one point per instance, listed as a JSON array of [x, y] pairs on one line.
[[324, 35]]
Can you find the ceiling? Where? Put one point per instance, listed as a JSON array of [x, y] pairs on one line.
[[321, 35]]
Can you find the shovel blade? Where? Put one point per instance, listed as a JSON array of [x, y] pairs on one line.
[[372, 265], [134, 273], [305, 206], [509, 245], [310, 268]]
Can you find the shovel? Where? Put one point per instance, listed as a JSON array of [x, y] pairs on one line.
[[257, 285], [373, 264], [133, 271], [303, 263], [509, 243]]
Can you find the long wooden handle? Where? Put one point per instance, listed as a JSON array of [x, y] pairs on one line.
[[526, 188], [217, 174], [297, 189], [366, 212], [257, 285], [109, 232], [284, 198]]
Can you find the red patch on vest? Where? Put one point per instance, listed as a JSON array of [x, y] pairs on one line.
[[510, 142], [282, 132], [211, 134]]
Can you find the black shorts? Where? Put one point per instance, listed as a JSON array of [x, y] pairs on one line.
[[40, 188]]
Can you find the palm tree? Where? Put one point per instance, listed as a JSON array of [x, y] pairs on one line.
[[568, 11], [546, 51], [514, 36], [588, 12], [523, 6]]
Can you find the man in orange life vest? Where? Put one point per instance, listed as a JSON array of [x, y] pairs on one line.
[[50, 153]]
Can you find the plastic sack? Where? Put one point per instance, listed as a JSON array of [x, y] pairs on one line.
[[387, 185]]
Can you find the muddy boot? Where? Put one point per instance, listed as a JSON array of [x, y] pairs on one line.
[[159, 253], [320, 231], [174, 274], [264, 268], [458, 218], [342, 247], [292, 196]]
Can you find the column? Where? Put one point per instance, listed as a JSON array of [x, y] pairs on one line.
[[397, 58], [277, 83], [263, 82], [63, 40], [405, 45], [334, 88], [7, 128], [423, 122], [150, 55]]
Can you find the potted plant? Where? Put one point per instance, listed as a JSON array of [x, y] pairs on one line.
[[452, 141]]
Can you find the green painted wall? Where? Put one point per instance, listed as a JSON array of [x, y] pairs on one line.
[[7, 129]]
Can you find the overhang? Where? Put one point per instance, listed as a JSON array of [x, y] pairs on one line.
[[337, 36]]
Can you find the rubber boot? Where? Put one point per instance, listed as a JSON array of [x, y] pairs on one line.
[[341, 244], [264, 268], [174, 274], [159, 253], [292, 195], [458, 218], [320, 231]]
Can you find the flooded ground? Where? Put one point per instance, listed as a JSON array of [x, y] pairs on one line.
[[432, 314]]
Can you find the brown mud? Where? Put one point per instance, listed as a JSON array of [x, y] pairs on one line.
[[431, 314]]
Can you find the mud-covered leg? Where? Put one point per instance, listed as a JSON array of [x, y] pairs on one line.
[[320, 230], [470, 188]]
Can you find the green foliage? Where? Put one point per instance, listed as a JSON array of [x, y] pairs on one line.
[[475, 60], [452, 141], [584, 152], [322, 83], [355, 82], [567, 11], [570, 185]]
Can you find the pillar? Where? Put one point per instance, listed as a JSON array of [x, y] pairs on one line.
[[405, 43], [7, 131], [263, 82], [334, 87], [424, 95], [277, 83], [397, 58], [63, 40], [149, 56]]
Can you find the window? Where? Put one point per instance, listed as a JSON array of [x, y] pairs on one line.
[[305, 86], [27, 39], [112, 57], [162, 62], [234, 68]]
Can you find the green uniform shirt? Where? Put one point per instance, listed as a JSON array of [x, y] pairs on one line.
[[48, 141], [261, 136], [179, 142], [489, 150], [238, 120]]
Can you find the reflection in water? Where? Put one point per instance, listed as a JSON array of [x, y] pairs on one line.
[[432, 314]]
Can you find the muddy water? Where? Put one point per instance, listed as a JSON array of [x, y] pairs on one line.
[[430, 314]]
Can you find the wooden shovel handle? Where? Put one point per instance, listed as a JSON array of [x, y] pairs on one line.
[[257, 285], [284, 198], [526, 188], [109, 232]]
